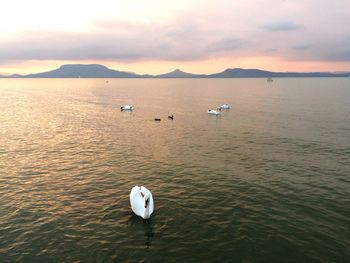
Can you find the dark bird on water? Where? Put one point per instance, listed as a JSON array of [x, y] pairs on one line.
[[171, 117], [156, 119]]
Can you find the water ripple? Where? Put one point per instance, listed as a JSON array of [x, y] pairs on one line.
[[262, 183]]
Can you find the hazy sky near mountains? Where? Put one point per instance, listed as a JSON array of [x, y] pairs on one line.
[[156, 36]]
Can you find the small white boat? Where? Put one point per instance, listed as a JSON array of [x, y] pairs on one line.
[[214, 112], [141, 201], [225, 106], [127, 108]]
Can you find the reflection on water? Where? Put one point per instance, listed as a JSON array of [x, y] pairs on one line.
[[142, 226], [267, 181]]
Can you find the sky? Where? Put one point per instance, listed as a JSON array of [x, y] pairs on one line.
[[158, 36]]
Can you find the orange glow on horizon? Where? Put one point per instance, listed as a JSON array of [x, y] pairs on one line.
[[154, 36]]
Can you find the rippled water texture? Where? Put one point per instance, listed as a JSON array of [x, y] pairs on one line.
[[267, 181]]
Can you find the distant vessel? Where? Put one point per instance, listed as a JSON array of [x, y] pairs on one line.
[[269, 80]]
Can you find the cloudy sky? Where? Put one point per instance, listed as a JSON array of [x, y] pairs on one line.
[[156, 36]]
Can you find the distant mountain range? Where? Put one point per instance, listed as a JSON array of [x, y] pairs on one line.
[[83, 71], [257, 73], [100, 71], [179, 74]]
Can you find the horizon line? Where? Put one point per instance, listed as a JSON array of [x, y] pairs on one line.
[[177, 69]]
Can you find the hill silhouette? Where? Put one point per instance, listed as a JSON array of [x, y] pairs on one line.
[[100, 71]]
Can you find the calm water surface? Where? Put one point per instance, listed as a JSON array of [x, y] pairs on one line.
[[268, 181]]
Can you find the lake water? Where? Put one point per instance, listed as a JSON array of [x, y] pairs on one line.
[[267, 181]]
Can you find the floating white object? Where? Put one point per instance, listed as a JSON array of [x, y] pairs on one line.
[[141, 201], [127, 108], [214, 112], [225, 106]]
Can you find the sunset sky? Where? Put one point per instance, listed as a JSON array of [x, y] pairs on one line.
[[157, 36]]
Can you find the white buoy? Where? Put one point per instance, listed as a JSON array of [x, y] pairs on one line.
[[141, 201]]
